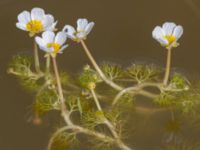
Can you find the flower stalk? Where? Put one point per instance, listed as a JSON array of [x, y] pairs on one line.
[[96, 100], [64, 111], [168, 36], [36, 58], [48, 63], [168, 66], [97, 68]]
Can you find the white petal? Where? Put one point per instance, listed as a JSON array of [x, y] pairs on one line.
[[42, 44], [45, 49], [81, 35], [70, 31], [158, 32], [48, 36], [169, 27], [52, 27], [48, 21], [37, 14], [81, 24], [61, 38], [21, 26], [63, 47], [178, 32], [40, 41], [89, 27], [163, 41], [24, 17]]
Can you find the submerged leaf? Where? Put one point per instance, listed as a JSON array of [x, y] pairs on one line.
[[142, 73], [46, 101], [112, 71]]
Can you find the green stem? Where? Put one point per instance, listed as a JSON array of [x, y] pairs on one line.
[[79, 129], [137, 90], [48, 63], [70, 125], [168, 66], [36, 58], [65, 112], [96, 100], [110, 126], [97, 68]]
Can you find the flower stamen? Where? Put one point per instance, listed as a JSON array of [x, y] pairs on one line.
[[56, 47], [35, 26], [170, 38]]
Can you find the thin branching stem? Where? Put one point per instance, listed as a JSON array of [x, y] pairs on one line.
[[78, 129], [121, 93], [110, 126], [106, 121], [97, 68], [118, 141], [137, 90], [36, 57]]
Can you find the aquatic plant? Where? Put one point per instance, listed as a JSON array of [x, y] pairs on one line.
[[95, 104]]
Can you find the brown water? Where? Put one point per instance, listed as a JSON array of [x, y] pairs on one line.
[[122, 34]]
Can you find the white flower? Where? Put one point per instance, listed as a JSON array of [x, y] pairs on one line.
[[168, 34], [51, 43], [35, 21], [83, 29]]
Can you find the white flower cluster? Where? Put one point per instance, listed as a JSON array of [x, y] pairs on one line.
[[37, 21]]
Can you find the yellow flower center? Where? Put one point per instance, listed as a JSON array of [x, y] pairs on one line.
[[55, 46], [170, 38], [35, 26]]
